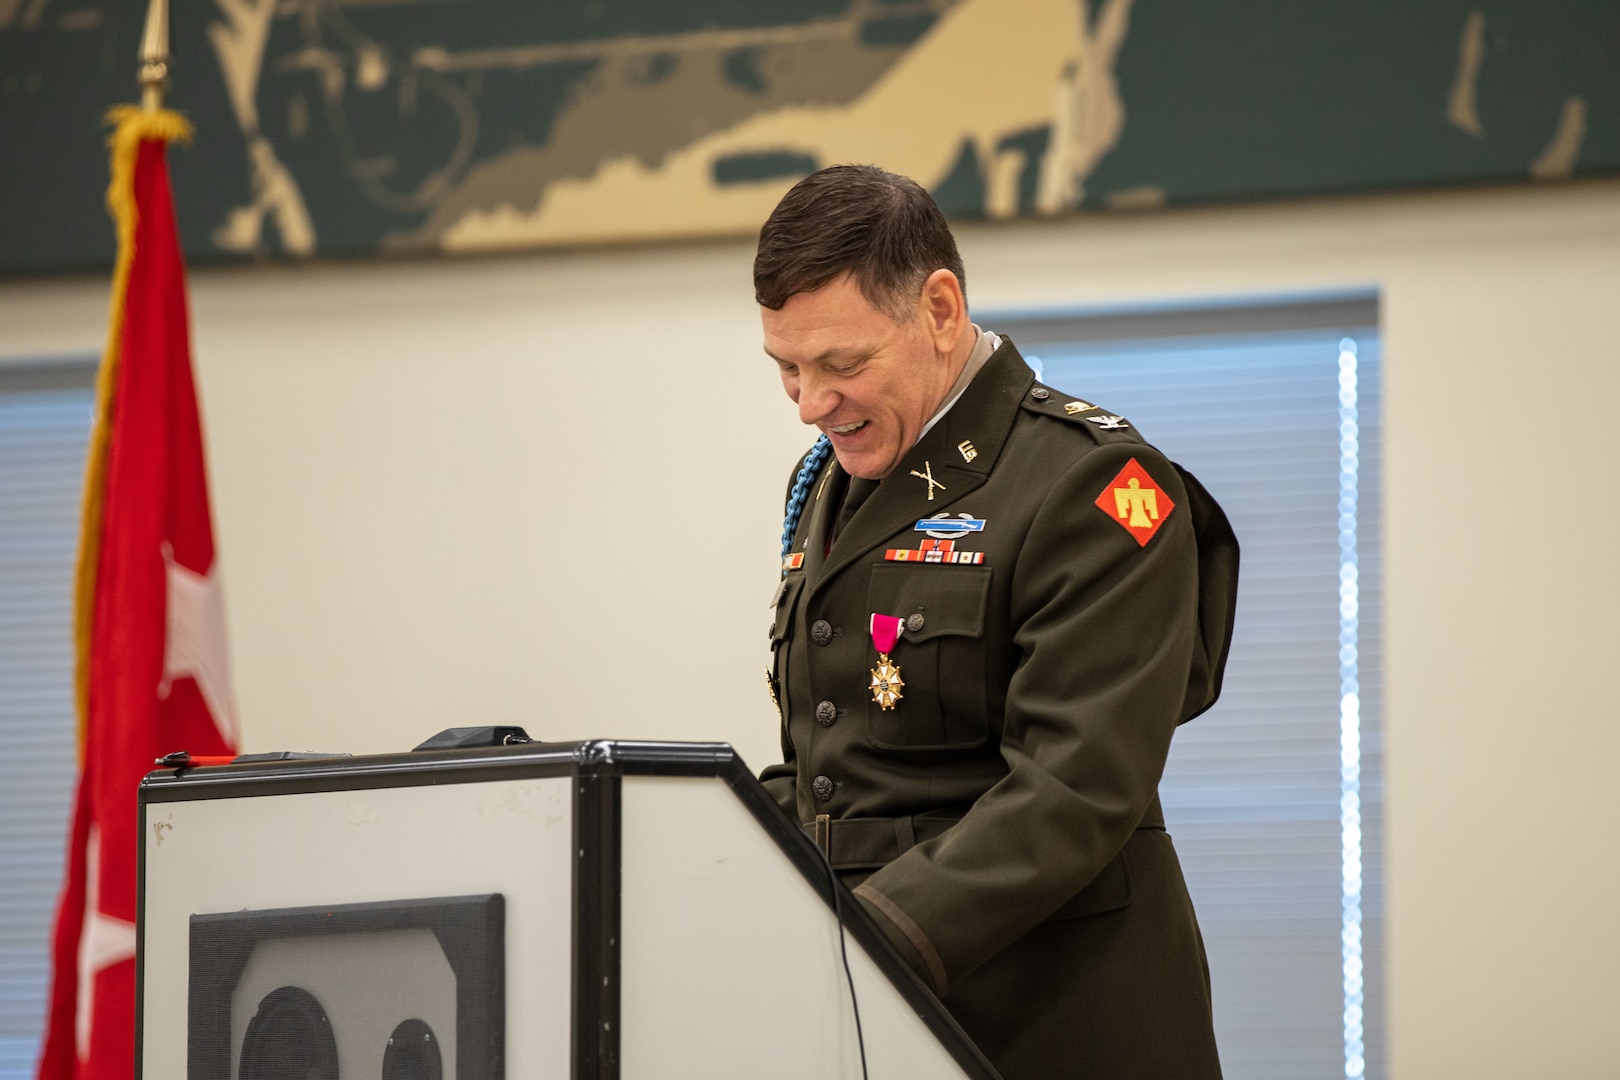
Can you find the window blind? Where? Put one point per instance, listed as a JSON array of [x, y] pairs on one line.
[[44, 425], [1273, 797]]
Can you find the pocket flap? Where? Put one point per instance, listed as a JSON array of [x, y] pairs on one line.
[[787, 597], [932, 601], [1110, 890]]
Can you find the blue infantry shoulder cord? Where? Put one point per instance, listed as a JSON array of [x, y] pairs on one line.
[[801, 490]]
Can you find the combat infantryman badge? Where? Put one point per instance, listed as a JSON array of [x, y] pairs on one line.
[[886, 685], [1136, 502], [945, 527]]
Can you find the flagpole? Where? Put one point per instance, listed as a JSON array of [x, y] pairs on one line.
[[133, 501], [154, 69]]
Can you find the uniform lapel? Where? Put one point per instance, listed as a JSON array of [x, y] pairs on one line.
[[820, 513], [958, 453]]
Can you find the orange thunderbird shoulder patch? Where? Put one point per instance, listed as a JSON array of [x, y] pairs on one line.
[[1136, 502]]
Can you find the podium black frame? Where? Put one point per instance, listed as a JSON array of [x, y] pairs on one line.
[[597, 768]]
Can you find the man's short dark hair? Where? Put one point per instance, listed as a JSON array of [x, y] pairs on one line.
[[859, 219]]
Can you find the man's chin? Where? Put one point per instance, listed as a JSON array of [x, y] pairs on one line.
[[866, 465]]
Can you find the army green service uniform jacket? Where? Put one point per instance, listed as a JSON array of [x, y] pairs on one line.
[[1001, 820]]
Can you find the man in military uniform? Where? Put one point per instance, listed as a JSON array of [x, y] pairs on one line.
[[997, 604]]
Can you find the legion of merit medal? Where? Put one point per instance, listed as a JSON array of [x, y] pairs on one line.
[[886, 682]]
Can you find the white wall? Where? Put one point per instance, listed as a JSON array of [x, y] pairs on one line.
[[546, 490]]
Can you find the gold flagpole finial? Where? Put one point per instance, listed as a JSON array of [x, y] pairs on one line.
[[154, 70]]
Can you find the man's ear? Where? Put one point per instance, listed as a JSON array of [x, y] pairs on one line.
[[945, 310]]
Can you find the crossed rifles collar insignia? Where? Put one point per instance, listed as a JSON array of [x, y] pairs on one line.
[[928, 475]]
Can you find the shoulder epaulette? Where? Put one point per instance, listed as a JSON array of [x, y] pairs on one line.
[[1103, 425]]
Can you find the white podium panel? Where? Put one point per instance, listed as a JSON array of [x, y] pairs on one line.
[[347, 851], [515, 912], [731, 962]]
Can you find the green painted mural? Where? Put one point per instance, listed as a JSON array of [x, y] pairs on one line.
[[354, 126]]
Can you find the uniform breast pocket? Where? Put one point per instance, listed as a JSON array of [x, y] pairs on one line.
[[940, 655], [787, 602]]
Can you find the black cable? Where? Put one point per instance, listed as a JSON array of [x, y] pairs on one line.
[[843, 951]]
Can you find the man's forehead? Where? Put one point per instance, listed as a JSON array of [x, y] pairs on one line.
[[831, 322]]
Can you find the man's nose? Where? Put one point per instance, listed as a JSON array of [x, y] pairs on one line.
[[817, 400]]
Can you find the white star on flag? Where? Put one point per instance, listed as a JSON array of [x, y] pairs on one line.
[[103, 942], [195, 641]]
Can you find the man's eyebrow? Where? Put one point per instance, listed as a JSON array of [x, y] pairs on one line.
[[837, 351]]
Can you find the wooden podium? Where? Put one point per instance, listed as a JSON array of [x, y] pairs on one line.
[[594, 909]]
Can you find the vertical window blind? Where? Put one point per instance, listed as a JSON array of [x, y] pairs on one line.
[[44, 425], [1274, 797]]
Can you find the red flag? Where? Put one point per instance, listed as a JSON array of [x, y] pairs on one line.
[[149, 624]]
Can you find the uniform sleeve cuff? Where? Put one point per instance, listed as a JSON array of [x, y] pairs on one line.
[[907, 937]]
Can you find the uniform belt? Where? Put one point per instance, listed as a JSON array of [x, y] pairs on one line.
[[869, 842]]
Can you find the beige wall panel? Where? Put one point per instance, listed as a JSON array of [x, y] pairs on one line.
[[486, 492], [546, 490]]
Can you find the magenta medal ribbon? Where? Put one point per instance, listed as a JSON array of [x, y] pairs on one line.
[[886, 685], [885, 632]]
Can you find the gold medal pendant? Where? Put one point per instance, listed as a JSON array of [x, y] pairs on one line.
[[770, 684], [886, 682]]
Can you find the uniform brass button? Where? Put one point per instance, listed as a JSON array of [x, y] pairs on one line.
[[823, 787], [914, 621], [826, 713], [1040, 393], [821, 632]]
